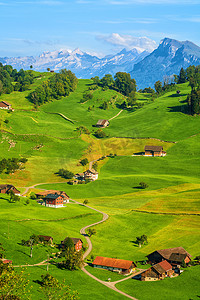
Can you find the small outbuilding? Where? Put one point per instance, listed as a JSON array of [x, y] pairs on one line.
[[154, 151], [46, 238], [6, 188], [102, 123], [5, 105], [158, 271], [114, 264]]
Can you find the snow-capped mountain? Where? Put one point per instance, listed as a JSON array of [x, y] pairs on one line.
[[83, 64], [144, 66], [166, 60]]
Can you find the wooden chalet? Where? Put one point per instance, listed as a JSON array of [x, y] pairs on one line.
[[158, 271], [175, 256], [53, 200], [46, 238], [154, 151], [43, 194], [5, 105], [114, 264], [102, 123], [6, 188], [78, 243], [6, 261], [91, 174]]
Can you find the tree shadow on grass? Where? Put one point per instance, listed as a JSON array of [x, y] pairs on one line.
[[135, 244], [23, 253]]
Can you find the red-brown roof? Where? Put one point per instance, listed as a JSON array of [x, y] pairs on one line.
[[6, 261], [46, 237], [165, 265], [113, 262], [101, 122], [4, 104], [153, 148], [45, 193]]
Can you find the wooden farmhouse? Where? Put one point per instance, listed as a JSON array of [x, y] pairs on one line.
[[65, 197], [154, 151], [53, 200], [6, 188], [158, 271], [102, 123], [46, 238], [5, 105], [78, 243], [175, 256], [91, 174], [6, 261], [114, 264]]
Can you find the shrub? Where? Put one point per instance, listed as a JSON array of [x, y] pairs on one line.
[[6, 121], [84, 161], [143, 185], [100, 134]]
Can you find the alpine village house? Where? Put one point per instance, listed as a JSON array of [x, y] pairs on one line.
[[154, 151], [5, 105], [114, 264], [6, 188], [78, 243]]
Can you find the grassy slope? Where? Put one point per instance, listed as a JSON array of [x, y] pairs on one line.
[[173, 180]]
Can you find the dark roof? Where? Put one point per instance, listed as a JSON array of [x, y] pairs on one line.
[[75, 240], [92, 171], [113, 262], [177, 257], [166, 253], [153, 148], [101, 122], [51, 196], [46, 237]]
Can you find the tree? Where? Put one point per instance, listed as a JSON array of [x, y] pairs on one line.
[[124, 83], [31, 67], [107, 81], [100, 134], [182, 76], [68, 243], [13, 284], [65, 174], [73, 259], [143, 185], [85, 202], [104, 105], [95, 166], [84, 161], [158, 86], [140, 240], [52, 289], [91, 232], [48, 69]]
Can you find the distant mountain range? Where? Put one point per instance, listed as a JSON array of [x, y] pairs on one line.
[[144, 66]]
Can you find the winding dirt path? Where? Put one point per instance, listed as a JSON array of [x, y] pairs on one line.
[[116, 115]]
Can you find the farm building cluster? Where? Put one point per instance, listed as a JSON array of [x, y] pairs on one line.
[[89, 174]]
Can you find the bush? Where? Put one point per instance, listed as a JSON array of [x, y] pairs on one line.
[[100, 134], [65, 174], [84, 161], [143, 185], [6, 121]]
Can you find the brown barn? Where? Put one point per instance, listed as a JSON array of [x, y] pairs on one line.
[[174, 256], [53, 200], [78, 243], [46, 238], [6, 188], [102, 123], [158, 271], [154, 150], [114, 264], [5, 105]]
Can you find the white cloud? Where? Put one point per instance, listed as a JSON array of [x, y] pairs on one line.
[[129, 41]]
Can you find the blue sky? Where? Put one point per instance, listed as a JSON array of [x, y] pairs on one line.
[[31, 27]]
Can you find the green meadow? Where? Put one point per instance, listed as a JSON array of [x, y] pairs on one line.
[[167, 211]]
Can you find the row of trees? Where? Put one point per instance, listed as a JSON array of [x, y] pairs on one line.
[[10, 165], [121, 82], [59, 85], [11, 79]]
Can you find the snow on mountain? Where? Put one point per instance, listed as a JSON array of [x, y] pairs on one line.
[[166, 60]]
